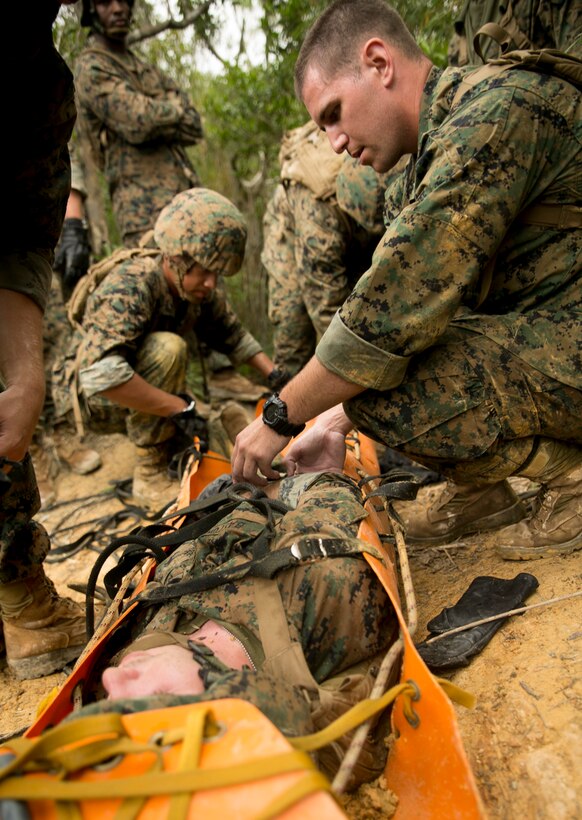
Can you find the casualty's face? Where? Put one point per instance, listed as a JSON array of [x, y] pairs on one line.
[[114, 16], [357, 114], [162, 670]]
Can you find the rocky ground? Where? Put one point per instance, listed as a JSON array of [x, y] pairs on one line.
[[523, 739]]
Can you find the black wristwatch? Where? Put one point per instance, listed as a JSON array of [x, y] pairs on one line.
[[275, 417]]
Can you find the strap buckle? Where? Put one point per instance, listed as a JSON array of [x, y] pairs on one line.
[[308, 549]]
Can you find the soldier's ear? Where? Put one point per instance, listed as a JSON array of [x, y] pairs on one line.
[[378, 57]]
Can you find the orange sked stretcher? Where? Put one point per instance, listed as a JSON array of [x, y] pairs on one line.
[[224, 759]]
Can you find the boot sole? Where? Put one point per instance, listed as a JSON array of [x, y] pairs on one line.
[[532, 553], [502, 518], [38, 666]]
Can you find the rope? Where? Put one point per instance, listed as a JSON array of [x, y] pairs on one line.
[[344, 772]]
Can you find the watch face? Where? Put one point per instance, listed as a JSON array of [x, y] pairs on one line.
[[271, 411]]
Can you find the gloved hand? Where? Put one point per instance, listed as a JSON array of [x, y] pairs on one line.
[[278, 378], [72, 257], [189, 421]]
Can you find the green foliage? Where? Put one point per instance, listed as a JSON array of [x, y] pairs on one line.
[[248, 106]]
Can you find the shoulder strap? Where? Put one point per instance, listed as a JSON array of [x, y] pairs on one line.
[[549, 61], [95, 275]]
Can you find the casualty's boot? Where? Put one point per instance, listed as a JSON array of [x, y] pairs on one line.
[[42, 631], [152, 488], [229, 384], [462, 509], [555, 525]]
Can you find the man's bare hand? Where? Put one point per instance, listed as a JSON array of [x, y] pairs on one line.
[[316, 450], [255, 448]]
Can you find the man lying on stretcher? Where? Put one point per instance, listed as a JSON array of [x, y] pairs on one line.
[[303, 646]]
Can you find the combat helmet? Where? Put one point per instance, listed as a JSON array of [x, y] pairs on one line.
[[204, 226]]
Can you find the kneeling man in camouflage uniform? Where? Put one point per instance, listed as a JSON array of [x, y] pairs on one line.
[[130, 351]]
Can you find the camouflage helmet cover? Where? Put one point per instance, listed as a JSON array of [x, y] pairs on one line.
[[206, 226]]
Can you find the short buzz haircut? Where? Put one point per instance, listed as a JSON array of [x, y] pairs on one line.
[[333, 41]]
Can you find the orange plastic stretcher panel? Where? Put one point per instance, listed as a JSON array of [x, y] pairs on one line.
[[427, 766]]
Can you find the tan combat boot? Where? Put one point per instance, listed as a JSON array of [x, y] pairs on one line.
[[81, 460], [42, 631], [555, 525], [229, 384], [152, 488], [462, 509]]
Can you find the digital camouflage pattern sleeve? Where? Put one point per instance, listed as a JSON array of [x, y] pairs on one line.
[[457, 254]]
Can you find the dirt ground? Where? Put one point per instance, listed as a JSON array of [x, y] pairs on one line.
[[524, 737]]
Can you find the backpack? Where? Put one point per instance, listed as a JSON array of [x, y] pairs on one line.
[[307, 157], [529, 24], [95, 275]]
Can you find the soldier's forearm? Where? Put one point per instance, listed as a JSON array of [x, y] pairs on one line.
[[138, 394], [315, 390]]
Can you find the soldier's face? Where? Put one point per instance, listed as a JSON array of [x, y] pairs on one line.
[[195, 284], [198, 284], [164, 669], [114, 16], [357, 114]]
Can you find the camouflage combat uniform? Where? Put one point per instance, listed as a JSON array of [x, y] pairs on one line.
[[531, 24], [39, 101], [466, 333], [139, 123], [315, 248], [334, 609], [129, 321]]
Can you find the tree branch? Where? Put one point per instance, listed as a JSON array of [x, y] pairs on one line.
[[151, 31]]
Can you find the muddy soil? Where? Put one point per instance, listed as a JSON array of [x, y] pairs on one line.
[[524, 737]]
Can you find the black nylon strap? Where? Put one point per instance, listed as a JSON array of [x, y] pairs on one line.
[[303, 551]]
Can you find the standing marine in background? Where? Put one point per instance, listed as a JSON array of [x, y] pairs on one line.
[[320, 230], [137, 119]]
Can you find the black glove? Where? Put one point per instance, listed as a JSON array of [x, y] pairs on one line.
[[189, 421], [485, 597], [278, 378], [72, 257]]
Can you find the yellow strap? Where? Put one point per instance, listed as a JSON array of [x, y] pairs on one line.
[[456, 694], [359, 713], [311, 783], [40, 748], [366, 709], [159, 783], [189, 759]]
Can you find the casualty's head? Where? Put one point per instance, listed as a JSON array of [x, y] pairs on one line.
[[172, 663], [361, 74], [202, 236], [111, 18]]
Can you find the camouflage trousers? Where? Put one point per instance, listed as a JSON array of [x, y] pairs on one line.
[[162, 361], [24, 543], [303, 253], [470, 409]]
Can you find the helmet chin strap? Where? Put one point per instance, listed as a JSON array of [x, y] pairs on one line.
[[180, 265]]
